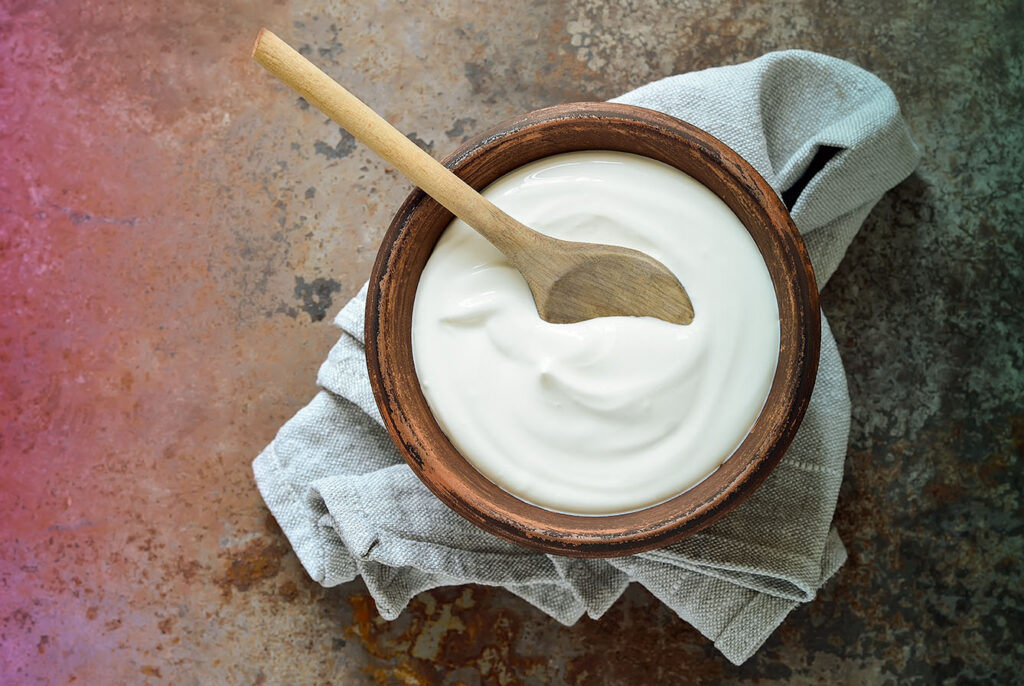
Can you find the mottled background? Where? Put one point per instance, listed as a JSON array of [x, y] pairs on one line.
[[176, 232]]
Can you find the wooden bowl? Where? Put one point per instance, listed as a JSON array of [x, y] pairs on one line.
[[410, 240]]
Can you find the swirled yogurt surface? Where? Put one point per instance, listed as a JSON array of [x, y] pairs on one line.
[[612, 414]]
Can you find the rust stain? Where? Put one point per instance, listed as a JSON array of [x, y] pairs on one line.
[[440, 632], [993, 471], [944, 492], [619, 649], [258, 561], [362, 610], [288, 591], [165, 625], [127, 382], [151, 670], [465, 628], [187, 569], [1017, 434]]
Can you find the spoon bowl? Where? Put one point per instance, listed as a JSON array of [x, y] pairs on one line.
[[592, 283]]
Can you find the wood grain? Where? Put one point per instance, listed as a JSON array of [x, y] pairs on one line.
[[410, 240], [570, 281]]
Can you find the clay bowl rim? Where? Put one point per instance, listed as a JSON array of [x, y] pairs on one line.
[[412, 235]]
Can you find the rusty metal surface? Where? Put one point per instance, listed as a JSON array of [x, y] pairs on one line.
[[176, 231]]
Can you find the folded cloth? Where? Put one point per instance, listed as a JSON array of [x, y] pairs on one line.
[[829, 138]]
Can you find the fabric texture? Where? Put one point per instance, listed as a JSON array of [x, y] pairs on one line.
[[350, 506]]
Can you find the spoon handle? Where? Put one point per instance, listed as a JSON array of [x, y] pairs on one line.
[[369, 128]]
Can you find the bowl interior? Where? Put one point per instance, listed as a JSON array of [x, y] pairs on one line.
[[407, 246]]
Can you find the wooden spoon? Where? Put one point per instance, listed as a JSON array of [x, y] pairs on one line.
[[570, 281]]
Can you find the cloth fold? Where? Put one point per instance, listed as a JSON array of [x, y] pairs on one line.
[[350, 506]]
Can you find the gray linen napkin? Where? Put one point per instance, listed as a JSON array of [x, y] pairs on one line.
[[350, 506]]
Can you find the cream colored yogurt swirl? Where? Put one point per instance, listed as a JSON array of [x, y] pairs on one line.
[[612, 414]]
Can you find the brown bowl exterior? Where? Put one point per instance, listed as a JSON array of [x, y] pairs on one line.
[[410, 240]]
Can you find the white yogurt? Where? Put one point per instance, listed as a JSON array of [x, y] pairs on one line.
[[612, 414]]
